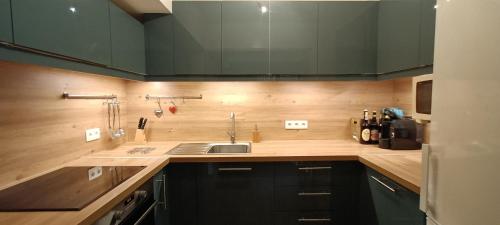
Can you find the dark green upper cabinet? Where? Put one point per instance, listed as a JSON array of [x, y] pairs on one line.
[[127, 41], [197, 37], [427, 32], [159, 44], [5, 21], [294, 38], [398, 35], [78, 29], [245, 37], [347, 40]]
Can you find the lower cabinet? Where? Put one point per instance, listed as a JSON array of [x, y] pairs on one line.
[[286, 193], [236, 194], [392, 204]]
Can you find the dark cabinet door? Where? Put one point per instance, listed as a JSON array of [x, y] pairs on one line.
[[398, 35], [347, 37], [393, 204], [245, 37], [197, 37], [182, 194], [5, 21], [427, 32], [127, 41], [159, 33], [78, 29], [236, 194], [294, 37]]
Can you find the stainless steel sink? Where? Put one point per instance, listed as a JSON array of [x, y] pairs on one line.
[[223, 148], [211, 148]]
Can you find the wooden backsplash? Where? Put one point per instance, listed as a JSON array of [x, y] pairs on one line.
[[40, 130], [327, 105]]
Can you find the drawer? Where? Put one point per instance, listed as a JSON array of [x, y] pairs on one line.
[[304, 174], [303, 199], [341, 173], [306, 218]]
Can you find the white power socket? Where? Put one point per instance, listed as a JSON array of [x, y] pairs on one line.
[[92, 134], [296, 124], [95, 172]]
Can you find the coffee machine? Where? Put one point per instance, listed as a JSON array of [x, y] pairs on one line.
[[401, 134]]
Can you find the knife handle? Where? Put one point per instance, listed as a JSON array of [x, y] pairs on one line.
[[144, 124], [140, 123]]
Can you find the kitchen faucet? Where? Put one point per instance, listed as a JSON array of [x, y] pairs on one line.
[[232, 132]]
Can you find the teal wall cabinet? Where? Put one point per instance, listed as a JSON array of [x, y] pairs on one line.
[[347, 37], [294, 38], [427, 32], [159, 34], [5, 21], [245, 37], [78, 29], [127, 41], [197, 37], [398, 35]]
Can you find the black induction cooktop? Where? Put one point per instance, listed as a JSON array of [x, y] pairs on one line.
[[66, 189]]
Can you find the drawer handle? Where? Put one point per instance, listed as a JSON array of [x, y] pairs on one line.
[[316, 168], [302, 220], [384, 184], [314, 193], [235, 169]]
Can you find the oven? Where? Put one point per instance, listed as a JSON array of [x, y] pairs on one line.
[[137, 209]]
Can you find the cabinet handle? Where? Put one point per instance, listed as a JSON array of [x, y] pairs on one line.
[[164, 183], [384, 184], [235, 169], [316, 168], [302, 220], [313, 193]]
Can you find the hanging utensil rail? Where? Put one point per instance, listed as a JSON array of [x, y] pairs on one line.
[[148, 97], [67, 95]]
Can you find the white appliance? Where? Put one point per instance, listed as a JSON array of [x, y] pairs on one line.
[[461, 181]]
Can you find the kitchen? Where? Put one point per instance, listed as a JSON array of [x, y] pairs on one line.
[[249, 112]]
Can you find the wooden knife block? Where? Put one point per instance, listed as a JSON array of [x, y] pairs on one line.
[[140, 136]]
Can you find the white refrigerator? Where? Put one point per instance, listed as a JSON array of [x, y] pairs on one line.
[[461, 165]]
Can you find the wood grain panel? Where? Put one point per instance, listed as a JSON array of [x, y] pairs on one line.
[[327, 105], [38, 129], [403, 94]]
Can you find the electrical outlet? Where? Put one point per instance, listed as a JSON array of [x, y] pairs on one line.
[[296, 124], [92, 134], [95, 172]]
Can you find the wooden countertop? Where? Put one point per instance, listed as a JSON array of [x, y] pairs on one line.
[[402, 166]]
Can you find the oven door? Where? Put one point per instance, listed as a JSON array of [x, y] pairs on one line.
[[142, 215]]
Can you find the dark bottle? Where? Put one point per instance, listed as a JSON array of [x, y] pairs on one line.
[[364, 137], [374, 129], [385, 132]]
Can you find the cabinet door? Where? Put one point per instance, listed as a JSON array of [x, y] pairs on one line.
[[160, 45], [245, 37], [398, 35], [5, 21], [347, 40], [127, 41], [182, 196], [394, 205], [294, 37], [78, 29], [197, 36], [427, 32], [236, 194]]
